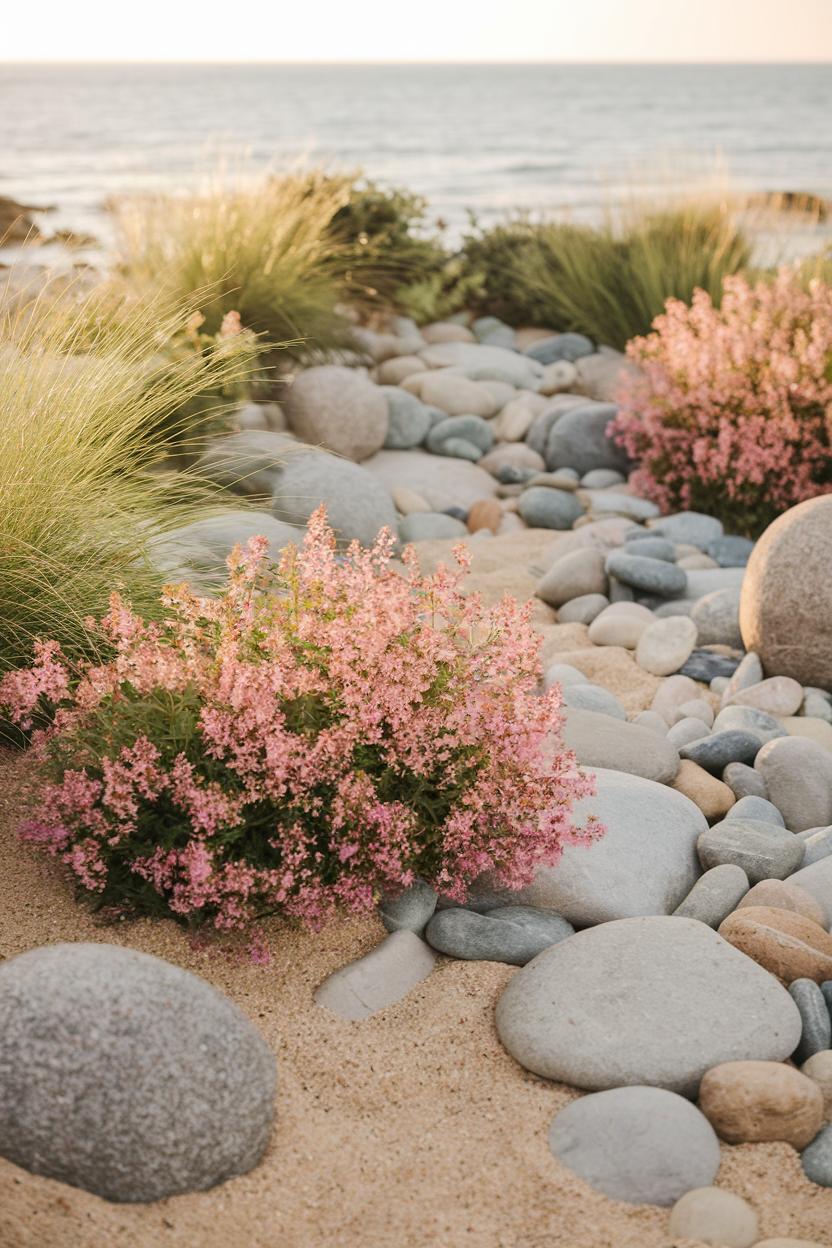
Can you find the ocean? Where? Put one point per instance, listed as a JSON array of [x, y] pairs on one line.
[[482, 139]]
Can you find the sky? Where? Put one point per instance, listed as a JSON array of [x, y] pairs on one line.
[[422, 30]]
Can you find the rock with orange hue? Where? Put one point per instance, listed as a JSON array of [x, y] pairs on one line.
[[757, 1102], [485, 514], [783, 895], [789, 945], [712, 797]]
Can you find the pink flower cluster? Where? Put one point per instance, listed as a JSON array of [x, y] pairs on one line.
[[732, 413], [328, 728]]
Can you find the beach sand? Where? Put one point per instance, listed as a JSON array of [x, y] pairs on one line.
[[412, 1129]]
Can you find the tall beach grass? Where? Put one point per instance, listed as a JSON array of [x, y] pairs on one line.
[[87, 413]]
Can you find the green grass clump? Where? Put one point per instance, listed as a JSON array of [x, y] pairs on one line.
[[87, 416], [609, 282], [267, 250]]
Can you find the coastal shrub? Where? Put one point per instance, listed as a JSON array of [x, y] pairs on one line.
[[88, 406], [732, 411], [610, 281], [266, 250], [325, 729], [391, 251]]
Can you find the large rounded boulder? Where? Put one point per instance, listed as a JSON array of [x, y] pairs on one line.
[[786, 601], [127, 1076], [338, 409], [653, 1001]]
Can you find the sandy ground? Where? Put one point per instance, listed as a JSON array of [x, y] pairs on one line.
[[412, 1129]]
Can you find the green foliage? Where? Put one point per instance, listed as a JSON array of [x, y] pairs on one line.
[[268, 251], [389, 247], [89, 405], [609, 282]]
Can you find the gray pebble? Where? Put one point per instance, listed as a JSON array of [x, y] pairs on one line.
[[816, 1160], [691, 527], [764, 851], [472, 429], [818, 845], [410, 910], [653, 576], [758, 809], [545, 508], [714, 895], [619, 592], [593, 698], [744, 781], [512, 934], [817, 1026], [749, 719], [704, 665], [569, 346], [730, 551], [687, 730], [716, 751], [817, 704], [601, 479], [653, 548], [582, 610], [563, 674]]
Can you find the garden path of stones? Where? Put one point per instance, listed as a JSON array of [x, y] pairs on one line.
[[679, 970]]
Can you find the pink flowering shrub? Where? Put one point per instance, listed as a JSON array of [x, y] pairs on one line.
[[326, 729], [732, 413]]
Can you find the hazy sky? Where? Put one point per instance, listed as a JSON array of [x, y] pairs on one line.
[[448, 30]]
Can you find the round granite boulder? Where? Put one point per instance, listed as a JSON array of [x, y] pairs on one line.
[[640, 1145], [786, 601], [127, 1076], [654, 1001], [339, 410]]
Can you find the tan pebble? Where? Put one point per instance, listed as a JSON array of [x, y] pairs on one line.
[[787, 1243], [781, 895], [407, 502], [693, 563], [758, 1102], [511, 523], [394, 372], [787, 944], [529, 334], [558, 377], [805, 726], [818, 1068], [710, 1215], [485, 514], [712, 797], [446, 331], [514, 421]]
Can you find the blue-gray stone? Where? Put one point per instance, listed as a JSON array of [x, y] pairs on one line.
[[641, 1145], [764, 851], [545, 508], [619, 592], [538, 431], [703, 665], [410, 911], [578, 439], [652, 548], [127, 1076], [471, 429], [826, 989], [652, 576], [744, 781], [409, 420], [594, 698], [717, 618], [716, 751], [560, 347], [756, 808], [730, 551], [511, 474], [817, 704], [749, 719], [817, 1026], [818, 845], [715, 895], [458, 513], [689, 527], [512, 934], [816, 1160]]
